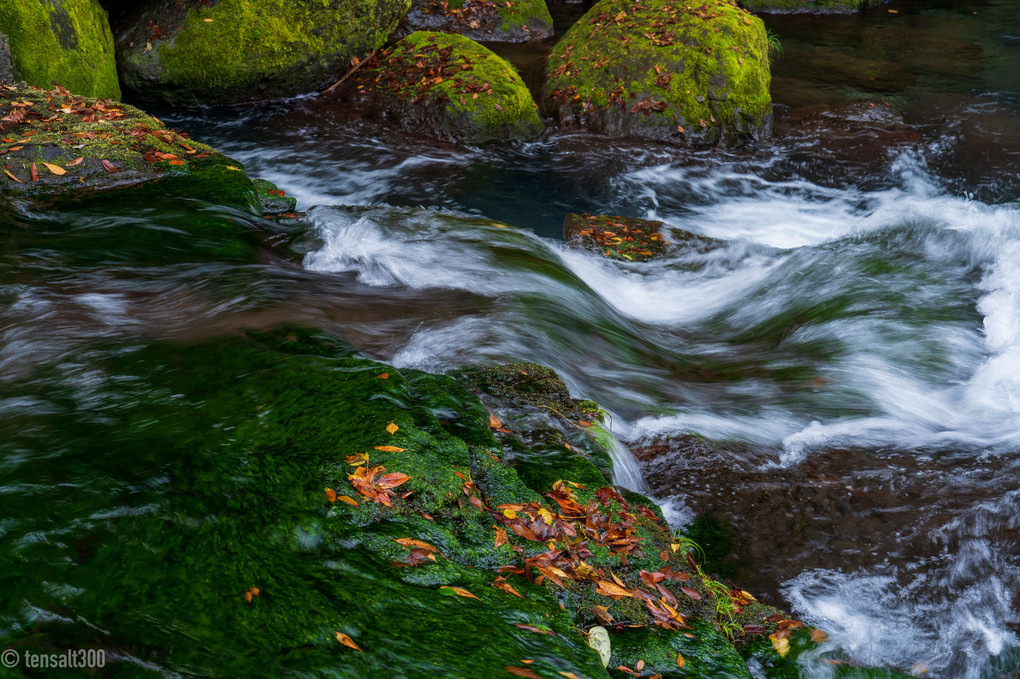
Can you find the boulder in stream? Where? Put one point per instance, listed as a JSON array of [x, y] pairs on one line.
[[629, 238], [59, 41], [446, 87], [56, 144], [233, 51], [688, 73], [483, 20]]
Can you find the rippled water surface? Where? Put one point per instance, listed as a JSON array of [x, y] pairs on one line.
[[834, 390]]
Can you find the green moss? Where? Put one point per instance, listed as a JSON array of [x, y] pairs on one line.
[[122, 136], [464, 93], [242, 50], [707, 654], [531, 13], [683, 73], [64, 41], [505, 21], [273, 200]]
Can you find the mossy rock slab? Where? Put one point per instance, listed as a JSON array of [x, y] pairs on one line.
[[687, 73], [57, 145], [273, 200], [631, 239], [448, 88], [483, 20], [233, 51], [60, 41]]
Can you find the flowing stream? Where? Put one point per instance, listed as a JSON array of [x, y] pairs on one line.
[[835, 386]]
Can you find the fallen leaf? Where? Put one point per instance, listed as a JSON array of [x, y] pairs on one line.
[[177, 162], [460, 591], [781, 645], [521, 672], [680, 660], [108, 166], [569, 675], [392, 428], [35, 173], [536, 629], [390, 449], [347, 641], [348, 499], [331, 495], [383, 376], [8, 172], [691, 593], [392, 480], [232, 167], [411, 542], [208, 21], [494, 421], [640, 665], [611, 590], [818, 636], [55, 169]]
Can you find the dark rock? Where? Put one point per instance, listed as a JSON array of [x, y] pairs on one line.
[[481, 20]]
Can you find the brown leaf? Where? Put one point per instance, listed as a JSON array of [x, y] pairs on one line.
[[35, 173], [691, 593], [460, 591], [108, 166], [392, 480], [347, 641], [611, 590], [501, 537], [411, 542], [521, 672]]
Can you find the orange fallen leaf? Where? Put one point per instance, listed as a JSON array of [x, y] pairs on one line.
[[9, 174], [383, 376], [357, 460], [348, 499], [392, 480], [347, 641], [611, 590], [108, 166], [392, 428], [494, 421], [35, 173], [460, 591], [640, 665], [331, 495], [390, 449], [680, 660], [569, 675], [818, 636], [55, 169], [536, 630], [208, 21], [176, 162], [522, 672], [411, 542]]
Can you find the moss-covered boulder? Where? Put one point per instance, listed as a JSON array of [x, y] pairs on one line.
[[197, 53], [482, 20], [446, 87], [60, 41], [631, 239], [273, 200], [54, 144], [687, 72]]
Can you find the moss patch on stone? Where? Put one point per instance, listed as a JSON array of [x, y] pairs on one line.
[[272, 199], [484, 20], [246, 50], [54, 144], [684, 73], [64, 41], [450, 88], [630, 239]]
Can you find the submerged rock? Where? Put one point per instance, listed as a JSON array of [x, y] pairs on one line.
[[482, 20], [629, 238], [193, 54], [59, 41], [272, 199], [446, 87], [814, 6], [687, 73], [56, 144]]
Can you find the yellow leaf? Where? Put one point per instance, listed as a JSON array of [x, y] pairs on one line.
[[348, 499], [546, 515], [392, 428], [13, 177], [679, 660], [347, 641], [609, 589], [509, 513], [208, 21], [234, 168], [55, 169], [460, 591], [390, 449], [781, 645]]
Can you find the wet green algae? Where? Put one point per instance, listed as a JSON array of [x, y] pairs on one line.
[[119, 147], [685, 73], [450, 88], [208, 469], [64, 41], [245, 50]]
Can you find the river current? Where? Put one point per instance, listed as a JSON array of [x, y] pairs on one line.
[[852, 345]]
